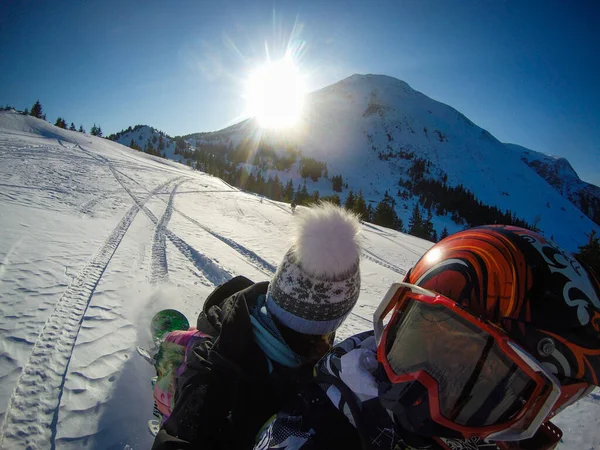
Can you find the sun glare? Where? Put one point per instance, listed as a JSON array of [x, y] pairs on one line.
[[275, 94]]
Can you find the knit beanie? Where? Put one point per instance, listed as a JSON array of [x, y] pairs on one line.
[[317, 284]]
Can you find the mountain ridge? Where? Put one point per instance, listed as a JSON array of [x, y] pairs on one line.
[[372, 129]]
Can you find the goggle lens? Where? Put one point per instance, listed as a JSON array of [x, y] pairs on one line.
[[478, 384]]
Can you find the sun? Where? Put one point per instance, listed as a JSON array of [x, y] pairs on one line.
[[275, 94]]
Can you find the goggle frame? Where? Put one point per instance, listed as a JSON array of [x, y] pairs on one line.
[[523, 425]]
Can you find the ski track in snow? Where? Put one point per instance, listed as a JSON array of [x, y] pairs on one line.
[[388, 236], [213, 273], [251, 257], [159, 264], [367, 254], [87, 206], [34, 404]]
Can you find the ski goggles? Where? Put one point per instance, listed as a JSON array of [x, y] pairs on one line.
[[478, 381]]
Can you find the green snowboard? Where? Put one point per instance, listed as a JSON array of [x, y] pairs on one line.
[[166, 321], [162, 323]]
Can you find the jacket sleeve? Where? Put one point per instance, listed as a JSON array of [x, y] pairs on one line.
[[212, 380]]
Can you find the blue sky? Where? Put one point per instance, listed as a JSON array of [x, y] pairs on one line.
[[525, 70]]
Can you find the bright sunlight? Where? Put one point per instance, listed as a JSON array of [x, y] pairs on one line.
[[275, 94]]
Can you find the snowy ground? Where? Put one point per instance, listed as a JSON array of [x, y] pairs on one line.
[[95, 239]]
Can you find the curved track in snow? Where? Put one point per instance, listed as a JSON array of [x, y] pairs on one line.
[[367, 254], [212, 274], [159, 266], [36, 398], [211, 271], [251, 257]]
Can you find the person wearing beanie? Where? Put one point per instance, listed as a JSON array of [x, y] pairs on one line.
[[255, 344]]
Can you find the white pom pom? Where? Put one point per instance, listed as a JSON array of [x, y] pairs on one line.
[[327, 240]]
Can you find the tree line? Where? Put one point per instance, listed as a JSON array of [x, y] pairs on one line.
[[589, 253], [37, 111], [234, 165]]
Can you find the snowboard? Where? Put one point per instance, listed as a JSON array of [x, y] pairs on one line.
[[165, 321], [161, 324]]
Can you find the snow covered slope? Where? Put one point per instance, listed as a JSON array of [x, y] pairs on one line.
[[371, 128], [96, 238], [559, 173]]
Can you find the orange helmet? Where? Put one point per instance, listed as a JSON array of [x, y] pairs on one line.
[[539, 294]]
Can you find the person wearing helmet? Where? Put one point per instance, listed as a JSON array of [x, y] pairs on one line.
[[492, 333]]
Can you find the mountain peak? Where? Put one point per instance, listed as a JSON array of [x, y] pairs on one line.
[[373, 85], [373, 78]]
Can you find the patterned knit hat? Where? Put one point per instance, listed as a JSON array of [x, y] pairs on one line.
[[318, 282]]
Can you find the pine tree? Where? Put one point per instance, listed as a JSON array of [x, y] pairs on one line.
[[314, 197], [337, 182], [385, 214], [444, 234], [302, 195], [96, 131], [60, 123], [416, 225], [360, 206], [369, 216], [81, 129], [428, 227], [134, 146], [36, 110], [72, 127], [334, 199], [590, 252], [350, 200], [150, 148], [288, 192]]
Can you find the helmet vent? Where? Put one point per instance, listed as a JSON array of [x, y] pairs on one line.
[[546, 347]]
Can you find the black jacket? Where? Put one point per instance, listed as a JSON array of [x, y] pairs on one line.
[[226, 393]]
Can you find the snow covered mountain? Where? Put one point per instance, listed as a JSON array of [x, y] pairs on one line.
[[558, 172], [95, 239], [374, 129], [148, 139]]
